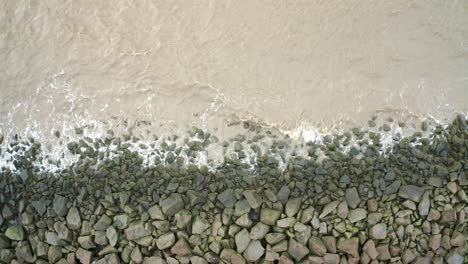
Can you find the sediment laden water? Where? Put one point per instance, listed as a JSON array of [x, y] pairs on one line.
[[345, 198]]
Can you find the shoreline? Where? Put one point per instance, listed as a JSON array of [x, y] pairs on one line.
[[272, 203]]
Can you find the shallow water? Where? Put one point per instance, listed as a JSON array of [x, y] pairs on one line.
[[297, 66]]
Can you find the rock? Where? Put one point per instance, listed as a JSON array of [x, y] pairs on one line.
[[302, 232], [330, 243], [62, 231], [39, 206], [454, 257], [448, 216], [292, 206], [136, 255], [349, 246], [84, 256], [273, 238], [317, 247], [109, 259], [259, 231], [283, 194], [103, 223], [342, 210], [297, 250], [154, 260], [112, 236], [327, 209], [393, 187], [352, 198], [433, 215], [54, 254], [370, 250], [254, 251], [384, 253], [199, 225], [173, 204], [253, 198], [15, 233], [269, 216], [121, 221], [73, 219], [408, 256], [378, 231], [181, 248], [458, 239], [241, 207], [231, 256], [434, 243], [435, 181], [372, 205], [357, 215], [227, 198], [183, 218], [331, 258], [60, 205], [136, 231], [411, 192], [23, 252], [452, 187], [242, 240], [286, 222], [86, 242], [155, 212], [425, 204], [165, 241], [244, 221]]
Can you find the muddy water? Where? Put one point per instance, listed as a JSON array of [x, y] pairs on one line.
[[287, 64]]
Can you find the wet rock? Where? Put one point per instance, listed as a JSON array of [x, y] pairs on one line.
[[411, 192]]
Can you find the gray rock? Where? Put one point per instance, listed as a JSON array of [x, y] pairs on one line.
[[352, 197], [297, 250], [283, 194], [24, 253], [39, 206], [227, 198], [121, 221], [253, 198], [378, 231], [292, 206], [454, 257], [60, 205], [54, 254], [435, 181], [62, 231], [393, 187], [241, 207], [154, 260], [155, 212], [183, 218], [425, 204], [112, 236], [84, 256], [136, 231], [357, 215], [242, 240], [199, 225], [181, 248], [269, 216], [103, 223], [259, 231], [327, 209], [317, 247], [411, 192], [274, 238], [173, 204], [86, 242], [254, 251], [73, 219], [231, 256], [165, 241], [349, 246]]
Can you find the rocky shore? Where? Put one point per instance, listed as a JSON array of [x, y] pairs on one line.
[[406, 204]]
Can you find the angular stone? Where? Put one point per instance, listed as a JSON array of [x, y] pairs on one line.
[[242, 240], [183, 218], [173, 204], [327, 209], [283, 194], [244, 221], [378, 231], [39, 206], [73, 219], [86, 242], [227, 198], [84, 256], [370, 250], [286, 222], [259, 231], [62, 231], [357, 215], [448, 216], [155, 212], [274, 238], [165, 241], [349, 246], [231, 256], [317, 247], [292, 206], [269, 216], [342, 210], [425, 204], [331, 258], [199, 225], [136, 255], [15, 233], [352, 197], [254, 251], [112, 235], [24, 253], [253, 198], [181, 248], [297, 250], [54, 254], [241, 207], [330, 243], [60, 205], [411, 192], [103, 223], [393, 187], [136, 231], [121, 221], [434, 243]]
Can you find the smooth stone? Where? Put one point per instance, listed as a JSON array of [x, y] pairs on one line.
[[425, 204]]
